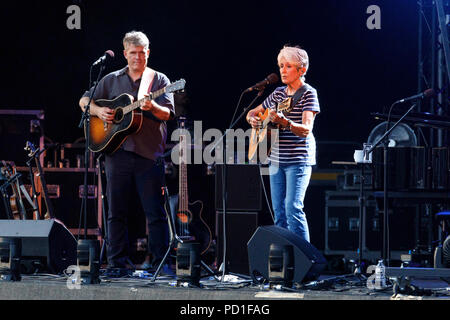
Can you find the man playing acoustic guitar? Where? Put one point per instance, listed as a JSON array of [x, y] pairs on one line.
[[137, 163]]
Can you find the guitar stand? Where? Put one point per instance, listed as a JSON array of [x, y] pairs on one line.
[[33, 155], [174, 239], [105, 222], [5, 196]]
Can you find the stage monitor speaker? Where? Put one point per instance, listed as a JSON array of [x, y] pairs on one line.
[[308, 261], [240, 227], [47, 245], [244, 191]]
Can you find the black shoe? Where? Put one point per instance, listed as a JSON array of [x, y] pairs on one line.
[[120, 268], [123, 262]]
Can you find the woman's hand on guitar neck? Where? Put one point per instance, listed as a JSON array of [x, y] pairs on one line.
[[299, 129], [278, 118]]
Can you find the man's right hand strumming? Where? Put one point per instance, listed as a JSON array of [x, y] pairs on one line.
[[103, 113]]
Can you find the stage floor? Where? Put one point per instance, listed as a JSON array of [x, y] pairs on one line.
[[234, 287], [234, 298]]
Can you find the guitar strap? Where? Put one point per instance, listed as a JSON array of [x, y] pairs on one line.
[[299, 93], [146, 82]]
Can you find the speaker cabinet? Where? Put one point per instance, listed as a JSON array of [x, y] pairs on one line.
[[308, 261], [244, 191], [240, 227], [46, 244]]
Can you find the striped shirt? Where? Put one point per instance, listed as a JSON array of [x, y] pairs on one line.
[[291, 149]]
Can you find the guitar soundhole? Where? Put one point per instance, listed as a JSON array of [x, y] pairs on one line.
[[184, 217], [118, 115]]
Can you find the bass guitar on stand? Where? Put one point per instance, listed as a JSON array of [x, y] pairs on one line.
[[188, 218]]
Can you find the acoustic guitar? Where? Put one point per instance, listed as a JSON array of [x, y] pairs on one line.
[[108, 137], [261, 138]]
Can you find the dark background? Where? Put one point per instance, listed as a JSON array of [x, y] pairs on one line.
[[220, 48]]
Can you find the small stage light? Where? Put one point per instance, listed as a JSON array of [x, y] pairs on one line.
[[10, 256], [281, 265], [188, 263], [88, 260]]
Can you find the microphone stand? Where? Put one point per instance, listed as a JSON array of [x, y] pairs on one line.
[[384, 139], [85, 119], [224, 179]]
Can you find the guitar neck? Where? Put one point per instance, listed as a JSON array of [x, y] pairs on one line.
[[183, 185], [138, 103], [183, 192]]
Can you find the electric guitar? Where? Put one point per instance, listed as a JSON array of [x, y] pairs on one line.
[[262, 138], [108, 137], [188, 219]]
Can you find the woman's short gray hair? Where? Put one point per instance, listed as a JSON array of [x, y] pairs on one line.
[[296, 56], [136, 38]]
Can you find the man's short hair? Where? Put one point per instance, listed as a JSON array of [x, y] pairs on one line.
[[136, 38]]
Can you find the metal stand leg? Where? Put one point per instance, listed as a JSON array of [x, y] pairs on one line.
[[105, 222], [174, 239]]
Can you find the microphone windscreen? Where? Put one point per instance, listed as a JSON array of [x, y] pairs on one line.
[[272, 78], [428, 93], [110, 53]]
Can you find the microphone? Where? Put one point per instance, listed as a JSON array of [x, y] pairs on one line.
[[102, 59], [427, 93], [271, 78]]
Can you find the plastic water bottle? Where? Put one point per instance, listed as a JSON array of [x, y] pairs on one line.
[[380, 275]]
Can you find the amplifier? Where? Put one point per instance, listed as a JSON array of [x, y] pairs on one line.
[[244, 189]]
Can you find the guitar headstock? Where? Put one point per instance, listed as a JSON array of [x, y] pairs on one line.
[[285, 105], [9, 169], [182, 122], [29, 146], [176, 86]]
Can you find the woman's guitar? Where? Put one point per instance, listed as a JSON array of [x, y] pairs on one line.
[[188, 218], [262, 138], [107, 137]]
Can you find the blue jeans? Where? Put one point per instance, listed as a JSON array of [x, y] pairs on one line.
[[288, 184]]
